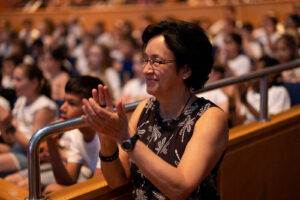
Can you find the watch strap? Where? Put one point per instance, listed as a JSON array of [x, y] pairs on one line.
[[131, 142], [109, 158]]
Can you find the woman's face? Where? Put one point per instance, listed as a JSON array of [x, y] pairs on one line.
[[231, 47], [50, 64], [268, 25], [8, 68], [163, 78], [283, 53], [95, 57], [22, 85]]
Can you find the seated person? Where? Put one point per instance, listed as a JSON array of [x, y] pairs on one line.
[[135, 88], [217, 96], [84, 142], [80, 163], [174, 142], [33, 110], [4, 110], [278, 97], [235, 62]]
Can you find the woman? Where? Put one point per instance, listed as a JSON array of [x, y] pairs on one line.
[[56, 73], [287, 51], [100, 66], [32, 110], [235, 62], [175, 141]]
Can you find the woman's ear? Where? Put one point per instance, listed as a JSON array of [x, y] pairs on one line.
[[186, 72]]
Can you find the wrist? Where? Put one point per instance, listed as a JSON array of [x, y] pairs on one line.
[[109, 158], [129, 143]]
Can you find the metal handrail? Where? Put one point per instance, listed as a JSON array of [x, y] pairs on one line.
[[39, 135]]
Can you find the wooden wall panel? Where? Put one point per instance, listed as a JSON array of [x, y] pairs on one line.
[[109, 14], [266, 165]]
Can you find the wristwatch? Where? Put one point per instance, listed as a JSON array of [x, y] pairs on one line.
[[128, 144]]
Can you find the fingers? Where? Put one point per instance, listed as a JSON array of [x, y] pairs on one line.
[[95, 95], [101, 96], [120, 108], [90, 116], [94, 114], [108, 100]]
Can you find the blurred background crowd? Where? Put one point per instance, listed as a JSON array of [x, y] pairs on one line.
[[67, 49]]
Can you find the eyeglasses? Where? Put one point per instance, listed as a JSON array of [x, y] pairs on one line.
[[156, 63]]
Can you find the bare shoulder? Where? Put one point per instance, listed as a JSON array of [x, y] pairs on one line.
[[212, 124], [213, 113]]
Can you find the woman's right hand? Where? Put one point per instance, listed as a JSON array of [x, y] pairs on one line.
[[100, 115]]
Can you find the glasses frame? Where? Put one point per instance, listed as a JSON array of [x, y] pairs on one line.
[[152, 62]]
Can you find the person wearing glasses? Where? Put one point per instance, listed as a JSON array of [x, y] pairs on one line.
[[173, 144]]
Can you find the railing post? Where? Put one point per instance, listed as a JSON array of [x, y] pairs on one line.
[[263, 114], [34, 178]]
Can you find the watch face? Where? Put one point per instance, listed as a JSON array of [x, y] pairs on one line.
[[126, 145]]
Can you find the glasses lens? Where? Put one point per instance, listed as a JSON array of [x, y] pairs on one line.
[[154, 63]]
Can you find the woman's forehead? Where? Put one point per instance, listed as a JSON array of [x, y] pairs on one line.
[[157, 46]]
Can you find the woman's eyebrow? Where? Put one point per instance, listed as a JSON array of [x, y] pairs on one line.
[[152, 56]]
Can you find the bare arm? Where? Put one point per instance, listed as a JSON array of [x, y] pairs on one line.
[[64, 174], [208, 142], [116, 173]]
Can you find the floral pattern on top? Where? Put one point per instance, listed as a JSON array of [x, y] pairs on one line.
[[168, 139]]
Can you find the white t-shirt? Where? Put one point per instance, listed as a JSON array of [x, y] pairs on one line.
[[83, 152], [24, 114], [256, 49], [261, 35], [114, 82], [7, 82], [240, 65], [135, 89], [4, 103], [216, 96], [81, 60], [278, 99]]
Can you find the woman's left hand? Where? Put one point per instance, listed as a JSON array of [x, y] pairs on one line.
[[100, 115]]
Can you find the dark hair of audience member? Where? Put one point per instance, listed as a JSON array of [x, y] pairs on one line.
[[248, 27], [291, 43], [270, 62], [32, 72], [82, 85]]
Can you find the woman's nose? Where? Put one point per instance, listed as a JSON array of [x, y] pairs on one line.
[[148, 68]]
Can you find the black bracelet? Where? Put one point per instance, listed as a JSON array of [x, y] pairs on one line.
[[109, 158]]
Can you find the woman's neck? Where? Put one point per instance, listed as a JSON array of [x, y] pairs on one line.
[[174, 104], [31, 98]]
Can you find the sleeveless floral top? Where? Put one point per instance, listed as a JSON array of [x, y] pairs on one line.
[[168, 140]]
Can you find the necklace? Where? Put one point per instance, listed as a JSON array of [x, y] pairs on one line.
[[182, 111], [173, 124], [146, 185]]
